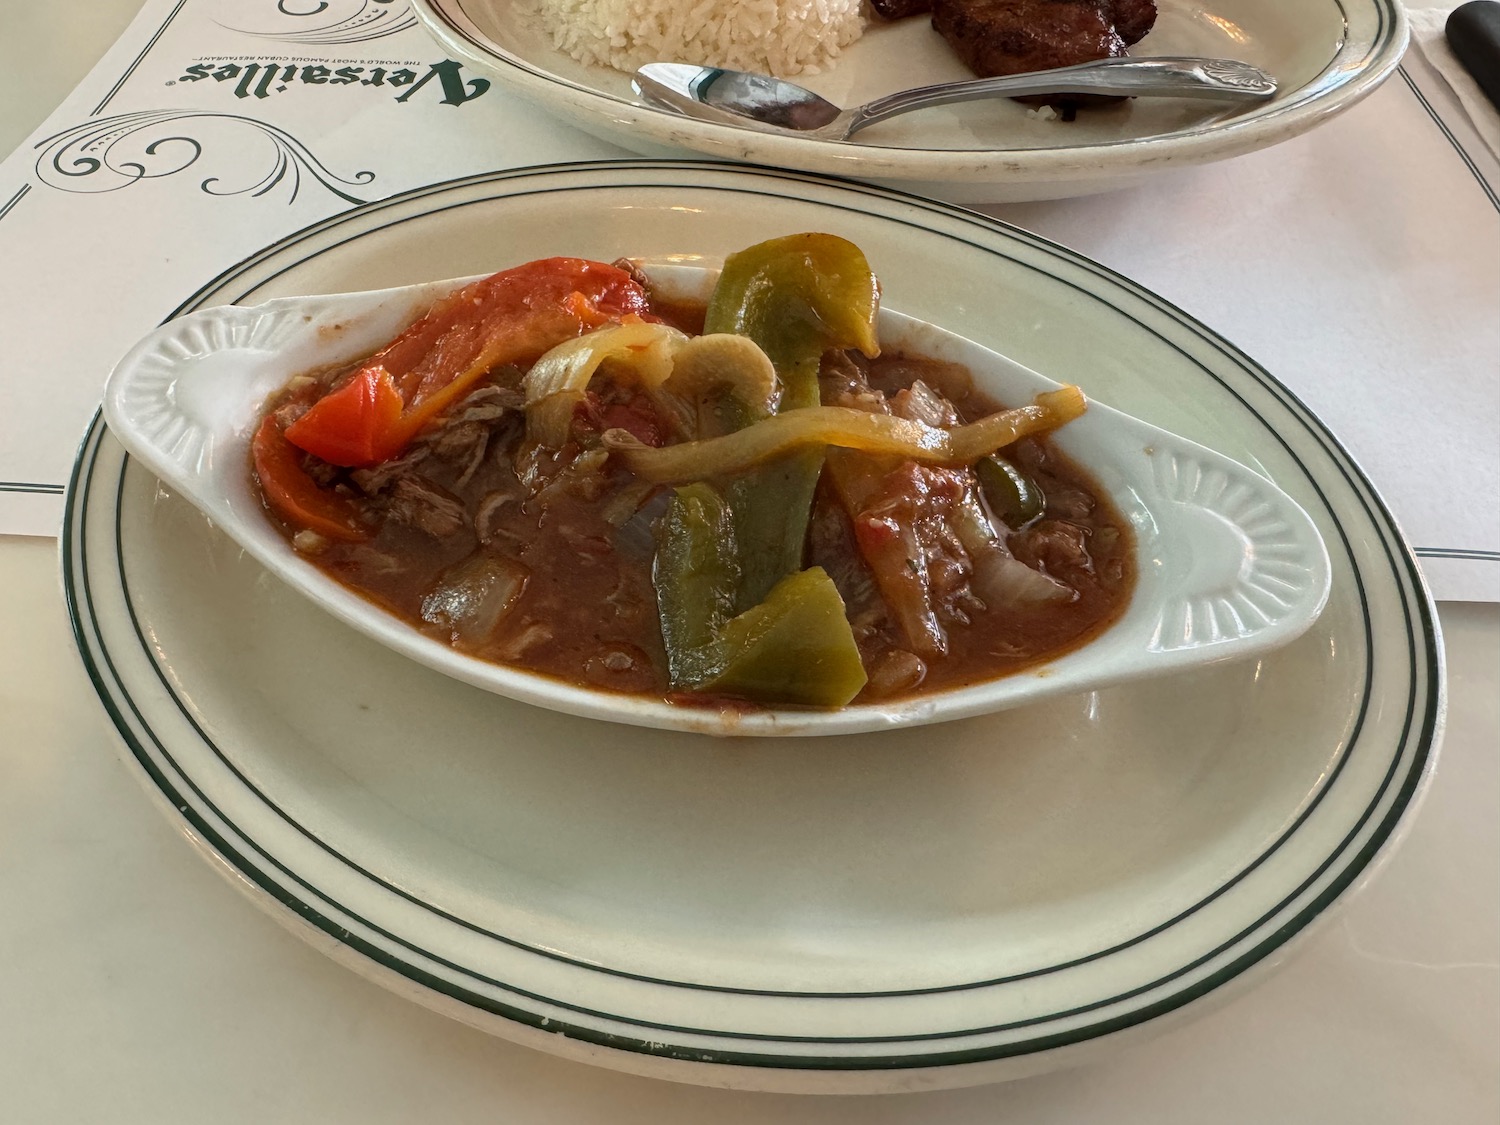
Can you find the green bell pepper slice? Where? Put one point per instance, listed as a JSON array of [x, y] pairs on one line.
[[738, 614], [795, 647], [696, 573], [796, 297], [1012, 495]]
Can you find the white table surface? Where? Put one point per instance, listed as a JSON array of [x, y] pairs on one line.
[[136, 986]]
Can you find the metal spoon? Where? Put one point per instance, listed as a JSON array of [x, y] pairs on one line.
[[774, 105]]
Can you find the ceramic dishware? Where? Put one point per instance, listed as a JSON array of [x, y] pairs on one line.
[[1228, 566], [1325, 55], [924, 907]]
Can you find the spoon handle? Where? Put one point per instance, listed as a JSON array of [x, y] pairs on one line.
[[1225, 79]]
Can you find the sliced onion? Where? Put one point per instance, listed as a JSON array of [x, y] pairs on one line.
[[474, 595], [556, 382], [849, 429], [722, 360], [922, 403], [659, 359], [1000, 579]]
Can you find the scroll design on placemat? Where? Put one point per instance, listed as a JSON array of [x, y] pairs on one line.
[[370, 19], [114, 152]]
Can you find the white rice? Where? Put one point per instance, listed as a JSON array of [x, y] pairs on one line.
[[780, 37]]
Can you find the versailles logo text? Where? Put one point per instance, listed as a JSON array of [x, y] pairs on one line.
[[262, 79]]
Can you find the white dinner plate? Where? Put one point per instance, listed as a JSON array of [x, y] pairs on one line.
[[1325, 55], [916, 908]]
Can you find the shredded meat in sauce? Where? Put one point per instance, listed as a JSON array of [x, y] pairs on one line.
[[543, 558]]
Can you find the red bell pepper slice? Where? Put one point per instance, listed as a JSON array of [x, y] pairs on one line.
[[510, 317], [293, 495], [359, 422]]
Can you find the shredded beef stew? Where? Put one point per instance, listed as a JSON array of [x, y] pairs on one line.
[[568, 532]]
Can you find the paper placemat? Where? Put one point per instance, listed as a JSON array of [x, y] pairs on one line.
[[1357, 263], [212, 128]]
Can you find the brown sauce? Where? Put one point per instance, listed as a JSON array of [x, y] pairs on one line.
[[587, 613]]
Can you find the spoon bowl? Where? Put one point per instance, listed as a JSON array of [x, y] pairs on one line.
[[759, 101]]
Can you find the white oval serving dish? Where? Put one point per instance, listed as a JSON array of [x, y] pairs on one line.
[[1228, 565]]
